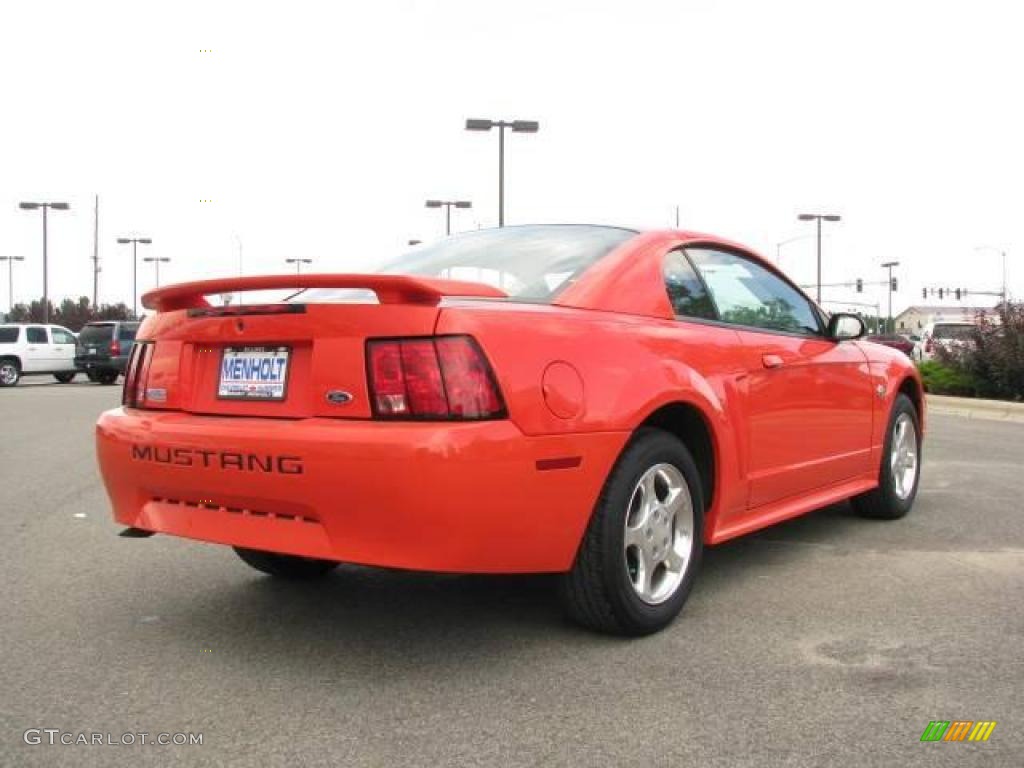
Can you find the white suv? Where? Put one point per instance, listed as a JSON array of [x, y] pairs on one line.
[[32, 348], [949, 335]]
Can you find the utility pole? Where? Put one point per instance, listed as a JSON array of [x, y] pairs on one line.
[[10, 278], [889, 265], [96, 255]]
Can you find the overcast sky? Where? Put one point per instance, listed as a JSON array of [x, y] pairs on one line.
[[318, 130]]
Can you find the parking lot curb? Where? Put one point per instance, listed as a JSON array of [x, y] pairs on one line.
[[973, 408]]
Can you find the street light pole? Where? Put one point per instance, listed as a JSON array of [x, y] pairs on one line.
[[135, 268], [30, 206], [778, 246], [10, 278], [818, 217], [447, 205], [1002, 253], [889, 265], [517, 126], [156, 263], [298, 264]]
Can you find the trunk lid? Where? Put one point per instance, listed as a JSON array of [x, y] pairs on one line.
[[316, 351]]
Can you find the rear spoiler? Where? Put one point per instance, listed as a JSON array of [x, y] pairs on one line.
[[390, 289]]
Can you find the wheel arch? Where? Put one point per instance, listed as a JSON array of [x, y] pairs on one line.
[[687, 422], [912, 388]]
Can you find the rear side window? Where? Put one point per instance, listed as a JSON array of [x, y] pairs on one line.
[[60, 336], [746, 293], [36, 335], [9, 335], [126, 333], [686, 292], [97, 334]]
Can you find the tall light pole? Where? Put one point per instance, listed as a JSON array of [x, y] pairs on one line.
[[517, 126], [10, 278], [1002, 253], [298, 264], [45, 207], [819, 217], [447, 205], [156, 263], [778, 246], [135, 267], [889, 265]]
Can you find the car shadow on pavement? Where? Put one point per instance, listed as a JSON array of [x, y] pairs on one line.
[[395, 616]]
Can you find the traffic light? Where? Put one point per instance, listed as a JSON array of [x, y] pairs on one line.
[[924, 293], [860, 285], [958, 294], [893, 285], [940, 293]]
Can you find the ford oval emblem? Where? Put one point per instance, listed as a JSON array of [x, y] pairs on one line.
[[338, 396]]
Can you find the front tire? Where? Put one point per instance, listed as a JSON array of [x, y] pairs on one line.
[[901, 466], [10, 373], [289, 567], [642, 549], [64, 378]]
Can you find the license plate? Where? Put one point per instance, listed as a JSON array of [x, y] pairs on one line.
[[253, 373], [92, 350]]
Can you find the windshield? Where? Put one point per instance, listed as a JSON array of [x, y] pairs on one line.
[[952, 331], [529, 263]]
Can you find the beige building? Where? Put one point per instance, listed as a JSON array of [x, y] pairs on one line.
[[914, 319]]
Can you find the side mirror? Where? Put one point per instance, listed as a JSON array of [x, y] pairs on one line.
[[843, 327]]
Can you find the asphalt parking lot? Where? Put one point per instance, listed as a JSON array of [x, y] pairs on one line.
[[829, 640]]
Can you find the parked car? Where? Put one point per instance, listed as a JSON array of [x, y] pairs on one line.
[[34, 348], [104, 348], [945, 335], [601, 403], [894, 340]]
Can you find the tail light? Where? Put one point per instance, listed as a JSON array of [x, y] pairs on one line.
[[435, 378], [136, 373], [115, 348]]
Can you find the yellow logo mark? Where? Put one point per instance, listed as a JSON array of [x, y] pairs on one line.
[[982, 730]]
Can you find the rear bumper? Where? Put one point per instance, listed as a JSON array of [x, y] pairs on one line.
[[465, 497], [102, 363]]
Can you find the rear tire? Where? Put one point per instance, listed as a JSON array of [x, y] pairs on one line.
[[64, 378], [107, 377], [91, 376], [897, 489], [289, 567], [649, 512], [10, 373]]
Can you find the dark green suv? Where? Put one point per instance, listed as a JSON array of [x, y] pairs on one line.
[[103, 349]]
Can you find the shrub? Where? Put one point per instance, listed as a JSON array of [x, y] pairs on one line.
[[994, 358], [941, 379]]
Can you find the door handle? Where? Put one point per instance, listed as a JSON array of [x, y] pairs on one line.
[[771, 361]]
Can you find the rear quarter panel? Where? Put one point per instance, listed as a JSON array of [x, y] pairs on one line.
[[628, 367]]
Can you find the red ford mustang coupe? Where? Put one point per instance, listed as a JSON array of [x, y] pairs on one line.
[[589, 401]]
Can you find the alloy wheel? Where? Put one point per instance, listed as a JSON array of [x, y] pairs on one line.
[[658, 533]]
